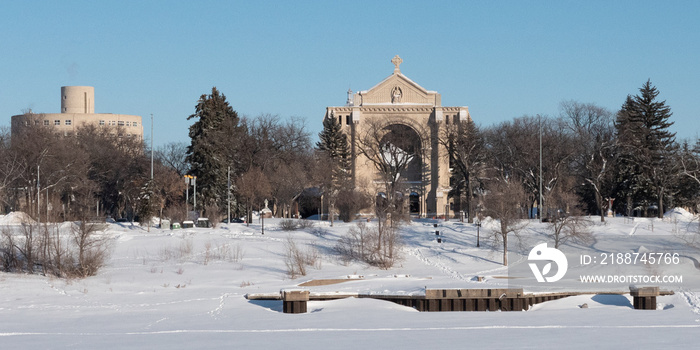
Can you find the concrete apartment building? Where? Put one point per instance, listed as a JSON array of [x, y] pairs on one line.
[[78, 109], [399, 105]]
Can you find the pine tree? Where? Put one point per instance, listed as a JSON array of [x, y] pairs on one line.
[[147, 203], [333, 144], [647, 148], [212, 148]]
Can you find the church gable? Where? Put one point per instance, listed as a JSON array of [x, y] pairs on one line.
[[399, 89]]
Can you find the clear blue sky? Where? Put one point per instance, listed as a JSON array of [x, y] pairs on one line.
[[503, 59]]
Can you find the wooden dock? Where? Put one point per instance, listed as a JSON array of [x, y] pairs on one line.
[[436, 300]]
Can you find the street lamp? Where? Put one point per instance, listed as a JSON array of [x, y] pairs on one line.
[[539, 202], [151, 146], [190, 180], [187, 196], [478, 225], [228, 196]]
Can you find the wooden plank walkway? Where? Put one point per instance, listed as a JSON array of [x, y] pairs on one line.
[[438, 300]]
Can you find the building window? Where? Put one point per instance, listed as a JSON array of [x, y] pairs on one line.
[[68, 122], [46, 122], [120, 123], [112, 123], [347, 119], [135, 124], [128, 123], [27, 123], [102, 122], [56, 122]]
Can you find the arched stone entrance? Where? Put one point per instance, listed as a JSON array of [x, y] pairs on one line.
[[402, 148]]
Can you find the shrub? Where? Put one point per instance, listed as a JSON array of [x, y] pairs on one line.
[[80, 253], [297, 260], [92, 248], [350, 202], [376, 246], [288, 225], [304, 223], [213, 214]]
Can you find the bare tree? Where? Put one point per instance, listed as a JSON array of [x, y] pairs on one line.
[[169, 186], [173, 155], [281, 150], [11, 166], [466, 149], [349, 202], [593, 132], [689, 181], [253, 187], [92, 247], [395, 153], [287, 181], [565, 221], [504, 202], [514, 149]]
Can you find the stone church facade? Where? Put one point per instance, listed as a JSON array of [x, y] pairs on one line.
[[400, 108]]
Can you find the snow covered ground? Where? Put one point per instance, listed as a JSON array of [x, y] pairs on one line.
[[185, 289]]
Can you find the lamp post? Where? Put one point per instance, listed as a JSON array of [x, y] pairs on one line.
[[38, 196], [190, 180], [187, 196], [539, 202], [151, 146], [478, 225], [228, 196]]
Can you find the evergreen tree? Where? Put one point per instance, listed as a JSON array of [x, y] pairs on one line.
[[647, 148], [147, 203], [214, 136], [334, 143], [335, 150]]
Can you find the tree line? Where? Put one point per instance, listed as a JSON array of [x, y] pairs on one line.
[[592, 161], [591, 158]]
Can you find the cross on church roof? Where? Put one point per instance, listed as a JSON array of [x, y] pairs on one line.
[[396, 61]]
